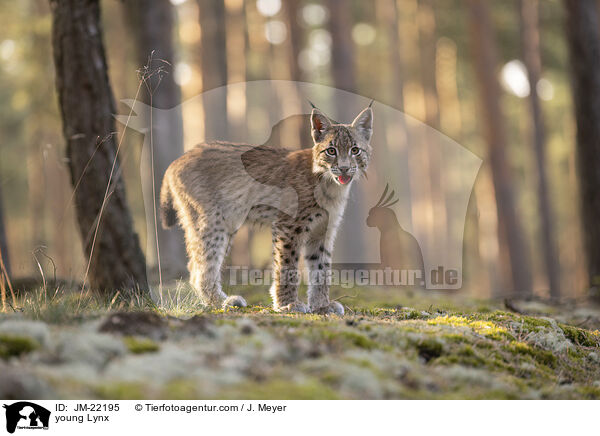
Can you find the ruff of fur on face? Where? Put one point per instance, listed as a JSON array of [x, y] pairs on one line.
[[213, 189]]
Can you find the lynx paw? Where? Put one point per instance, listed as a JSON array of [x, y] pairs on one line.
[[334, 308], [298, 307], [234, 301]]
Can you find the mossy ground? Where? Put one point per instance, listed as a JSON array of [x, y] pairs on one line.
[[389, 345], [13, 345], [140, 345]]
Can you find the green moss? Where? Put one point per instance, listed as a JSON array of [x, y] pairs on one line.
[[463, 355], [280, 390], [483, 327], [251, 309], [121, 391], [541, 356], [14, 345], [454, 338], [330, 377], [412, 314], [179, 390], [354, 338], [360, 340], [378, 312], [363, 363], [429, 348], [466, 350], [533, 324], [140, 345], [224, 321], [454, 359], [528, 323], [519, 347], [580, 336], [286, 322], [500, 316], [576, 355], [589, 392], [411, 328], [501, 363]]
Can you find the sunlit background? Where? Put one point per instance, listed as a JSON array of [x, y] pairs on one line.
[[424, 54]]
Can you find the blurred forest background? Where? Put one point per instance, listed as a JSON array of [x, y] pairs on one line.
[[502, 78]]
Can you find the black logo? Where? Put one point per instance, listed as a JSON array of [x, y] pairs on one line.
[[26, 415]]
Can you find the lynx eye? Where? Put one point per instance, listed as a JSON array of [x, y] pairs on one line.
[[355, 151], [331, 151]]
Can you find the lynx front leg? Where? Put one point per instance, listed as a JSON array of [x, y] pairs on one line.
[[284, 289], [317, 254]]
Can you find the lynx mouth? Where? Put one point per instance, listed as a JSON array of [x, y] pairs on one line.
[[344, 180]]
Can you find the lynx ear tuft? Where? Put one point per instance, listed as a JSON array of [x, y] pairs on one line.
[[363, 123], [319, 124]]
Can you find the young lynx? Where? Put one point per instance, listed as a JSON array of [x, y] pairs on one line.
[[214, 188]]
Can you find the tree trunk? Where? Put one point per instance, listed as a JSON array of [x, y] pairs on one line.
[[213, 59], [391, 22], [584, 47], [342, 51], [392, 93], [292, 8], [530, 40], [152, 24], [427, 47], [344, 77], [87, 108], [510, 231], [295, 130]]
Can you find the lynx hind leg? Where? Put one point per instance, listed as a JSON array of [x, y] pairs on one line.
[[206, 242]]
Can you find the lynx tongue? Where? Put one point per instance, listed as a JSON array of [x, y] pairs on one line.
[[344, 179]]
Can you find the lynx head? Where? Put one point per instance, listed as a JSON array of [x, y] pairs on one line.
[[341, 151]]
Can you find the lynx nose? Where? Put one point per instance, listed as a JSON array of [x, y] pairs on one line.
[[344, 170]]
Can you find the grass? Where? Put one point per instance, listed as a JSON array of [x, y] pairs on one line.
[[62, 306]]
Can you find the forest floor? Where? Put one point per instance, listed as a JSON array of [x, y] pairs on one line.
[[390, 344]]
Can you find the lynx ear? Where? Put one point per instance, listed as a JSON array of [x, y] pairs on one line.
[[319, 124], [363, 123]]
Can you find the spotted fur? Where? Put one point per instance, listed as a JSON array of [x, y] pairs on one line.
[[207, 191]]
